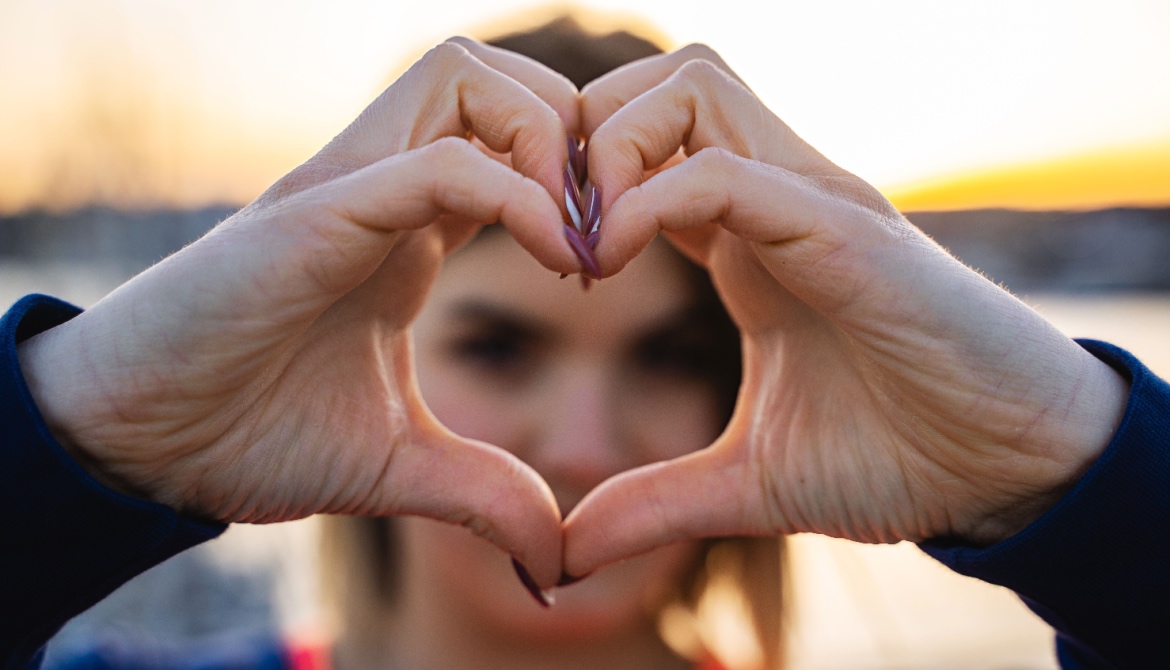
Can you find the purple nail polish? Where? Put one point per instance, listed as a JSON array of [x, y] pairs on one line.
[[583, 163], [592, 239], [571, 166], [592, 213], [530, 584], [584, 253], [572, 198], [575, 162]]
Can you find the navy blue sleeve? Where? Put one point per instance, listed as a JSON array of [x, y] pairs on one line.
[[135, 653], [67, 541], [1097, 565]]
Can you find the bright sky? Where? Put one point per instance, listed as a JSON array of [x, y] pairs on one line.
[[141, 102]]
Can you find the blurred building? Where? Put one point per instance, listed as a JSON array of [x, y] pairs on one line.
[[1110, 249]]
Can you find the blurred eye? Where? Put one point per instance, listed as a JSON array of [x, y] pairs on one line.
[[493, 350], [683, 352], [500, 353]]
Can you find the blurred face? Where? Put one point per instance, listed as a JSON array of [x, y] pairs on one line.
[[581, 386]]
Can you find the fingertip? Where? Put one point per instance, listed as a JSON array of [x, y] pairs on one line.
[[614, 161], [531, 216], [585, 255], [589, 544], [615, 521], [543, 597], [485, 489], [568, 580], [622, 231], [543, 235], [699, 495]]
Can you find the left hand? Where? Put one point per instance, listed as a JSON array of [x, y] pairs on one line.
[[890, 393]]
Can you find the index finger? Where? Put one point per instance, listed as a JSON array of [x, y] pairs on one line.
[[700, 106], [605, 96], [448, 93], [547, 84]]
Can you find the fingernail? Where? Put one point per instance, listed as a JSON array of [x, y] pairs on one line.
[[583, 163], [572, 198], [592, 239], [568, 580], [584, 253], [592, 213], [543, 599], [575, 162]]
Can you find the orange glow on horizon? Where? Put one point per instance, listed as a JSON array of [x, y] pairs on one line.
[[135, 104], [1129, 176], [222, 169]]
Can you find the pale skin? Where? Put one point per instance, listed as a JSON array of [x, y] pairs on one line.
[[581, 386], [890, 393], [264, 373]]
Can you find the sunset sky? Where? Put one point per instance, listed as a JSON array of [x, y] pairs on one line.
[[1045, 103]]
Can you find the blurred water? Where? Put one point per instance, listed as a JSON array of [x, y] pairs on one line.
[[1138, 321]]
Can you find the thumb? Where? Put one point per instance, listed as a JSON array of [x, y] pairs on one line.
[[709, 493], [437, 474], [485, 489]]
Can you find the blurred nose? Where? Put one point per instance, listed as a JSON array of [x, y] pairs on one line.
[[579, 444]]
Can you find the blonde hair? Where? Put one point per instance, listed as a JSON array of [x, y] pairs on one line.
[[729, 605]]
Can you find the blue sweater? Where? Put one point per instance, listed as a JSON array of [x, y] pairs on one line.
[[1096, 566]]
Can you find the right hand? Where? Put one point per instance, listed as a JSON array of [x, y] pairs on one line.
[[264, 372]]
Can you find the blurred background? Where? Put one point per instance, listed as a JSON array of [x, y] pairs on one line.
[[1032, 139]]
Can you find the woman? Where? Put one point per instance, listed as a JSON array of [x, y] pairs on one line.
[[641, 368], [581, 387], [264, 373]]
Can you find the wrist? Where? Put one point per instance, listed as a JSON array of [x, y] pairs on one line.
[[46, 363], [1074, 434]]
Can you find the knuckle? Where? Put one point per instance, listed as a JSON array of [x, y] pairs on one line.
[[547, 122], [619, 147], [715, 158], [446, 150], [461, 40], [556, 90], [443, 56], [530, 128], [604, 102], [702, 71], [700, 51]]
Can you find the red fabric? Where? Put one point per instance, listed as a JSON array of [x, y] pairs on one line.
[[309, 655]]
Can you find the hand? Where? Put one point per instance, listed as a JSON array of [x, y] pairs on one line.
[[264, 373], [890, 393]]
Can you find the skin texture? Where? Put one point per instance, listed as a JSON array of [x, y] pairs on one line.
[[581, 386], [263, 373], [890, 393]]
